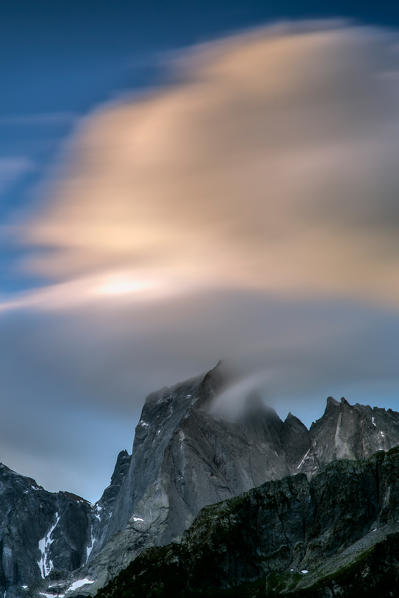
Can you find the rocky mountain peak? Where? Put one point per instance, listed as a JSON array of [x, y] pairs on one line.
[[331, 404], [348, 431], [291, 418], [185, 456], [213, 383], [40, 533], [121, 465], [106, 503]]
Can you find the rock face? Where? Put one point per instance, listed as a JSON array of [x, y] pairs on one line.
[[103, 509], [40, 533], [186, 455], [349, 432], [44, 536], [335, 535]]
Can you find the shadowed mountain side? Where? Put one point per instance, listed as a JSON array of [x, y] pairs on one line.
[[293, 537], [40, 532]]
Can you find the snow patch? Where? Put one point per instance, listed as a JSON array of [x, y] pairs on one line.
[[381, 437], [373, 421], [304, 571], [46, 564], [337, 441], [98, 510], [137, 518], [89, 548], [303, 458], [78, 584]]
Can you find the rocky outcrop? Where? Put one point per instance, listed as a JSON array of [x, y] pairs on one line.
[[41, 533], [349, 432], [185, 457], [335, 535], [103, 509], [45, 537]]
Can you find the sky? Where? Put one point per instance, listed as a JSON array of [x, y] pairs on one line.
[[186, 183]]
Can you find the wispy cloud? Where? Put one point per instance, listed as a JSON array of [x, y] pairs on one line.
[[119, 286]]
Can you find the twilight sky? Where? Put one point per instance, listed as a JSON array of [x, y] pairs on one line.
[[183, 184]]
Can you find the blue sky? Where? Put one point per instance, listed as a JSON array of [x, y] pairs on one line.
[[71, 392]]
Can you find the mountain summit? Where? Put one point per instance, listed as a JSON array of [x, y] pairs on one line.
[[185, 456]]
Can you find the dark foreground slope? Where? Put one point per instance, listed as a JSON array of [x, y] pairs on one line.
[[336, 535]]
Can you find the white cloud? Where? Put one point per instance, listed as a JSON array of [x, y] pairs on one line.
[[270, 165]]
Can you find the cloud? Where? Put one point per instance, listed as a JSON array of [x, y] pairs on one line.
[[92, 289], [12, 169], [248, 211], [269, 164]]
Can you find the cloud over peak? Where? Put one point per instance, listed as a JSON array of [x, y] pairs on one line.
[[246, 211]]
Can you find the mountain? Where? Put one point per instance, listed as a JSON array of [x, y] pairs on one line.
[[188, 454], [349, 432], [103, 509], [40, 533], [335, 535], [44, 536]]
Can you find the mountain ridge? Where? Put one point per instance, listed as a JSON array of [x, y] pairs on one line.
[[186, 457]]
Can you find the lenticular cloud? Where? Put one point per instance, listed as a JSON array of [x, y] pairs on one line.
[[271, 164]]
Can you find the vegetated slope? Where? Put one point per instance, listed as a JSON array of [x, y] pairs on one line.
[[335, 535]]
